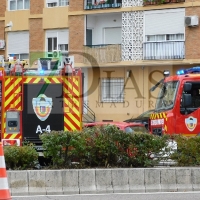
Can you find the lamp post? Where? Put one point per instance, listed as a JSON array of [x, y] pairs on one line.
[[9, 25]]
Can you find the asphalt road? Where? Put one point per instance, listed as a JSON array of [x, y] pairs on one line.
[[129, 196]]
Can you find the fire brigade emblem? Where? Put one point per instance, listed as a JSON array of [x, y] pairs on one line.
[[42, 106], [191, 123]]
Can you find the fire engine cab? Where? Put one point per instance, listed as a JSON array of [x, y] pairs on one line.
[[177, 109], [34, 101]]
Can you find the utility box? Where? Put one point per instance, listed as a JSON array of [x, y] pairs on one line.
[[12, 121]]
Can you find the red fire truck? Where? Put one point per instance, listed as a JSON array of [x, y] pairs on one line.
[[39, 100], [177, 109]]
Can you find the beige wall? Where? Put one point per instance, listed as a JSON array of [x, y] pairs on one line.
[[55, 17], [20, 19], [137, 98]]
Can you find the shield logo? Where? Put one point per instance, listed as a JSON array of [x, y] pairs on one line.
[[42, 106], [191, 123]]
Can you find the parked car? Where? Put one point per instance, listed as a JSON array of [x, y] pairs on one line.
[[124, 126], [143, 118]]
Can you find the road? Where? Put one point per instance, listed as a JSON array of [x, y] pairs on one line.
[[129, 196]]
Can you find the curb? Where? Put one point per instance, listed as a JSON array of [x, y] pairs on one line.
[[97, 181]]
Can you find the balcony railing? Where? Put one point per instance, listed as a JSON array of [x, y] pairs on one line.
[[158, 2], [104, 53], [164, 50], [103, 4]]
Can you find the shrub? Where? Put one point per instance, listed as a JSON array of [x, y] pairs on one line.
[[101, 145], [20, 157], [188, 152], [63, 147]]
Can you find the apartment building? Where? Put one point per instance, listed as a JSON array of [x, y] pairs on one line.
[[122, 46]]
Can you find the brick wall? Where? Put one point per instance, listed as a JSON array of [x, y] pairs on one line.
[[76, 5], [2, 8], [36, 35], [36, 6], [192, 36], [76, 36], [2, 25]]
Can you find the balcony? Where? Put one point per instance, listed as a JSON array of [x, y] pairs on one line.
[[164, 50], [103, 53], [99, 4], [158, 2]]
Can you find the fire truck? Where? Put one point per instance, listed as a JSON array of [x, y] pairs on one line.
[[177, 109], [34, 101]]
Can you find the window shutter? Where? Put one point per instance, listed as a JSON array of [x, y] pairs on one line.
[[51, 1], [51, 33], [18, 42], [63, 37], [160, 21]]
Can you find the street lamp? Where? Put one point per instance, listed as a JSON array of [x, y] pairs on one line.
[[9, 25]]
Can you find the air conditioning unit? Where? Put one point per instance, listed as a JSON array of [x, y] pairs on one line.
[[54, 54], [191, 21], [2, 44]]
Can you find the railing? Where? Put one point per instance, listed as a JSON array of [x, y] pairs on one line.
[[103, 4], [88, 114], [158, 2], [163, 50], [103, 53]]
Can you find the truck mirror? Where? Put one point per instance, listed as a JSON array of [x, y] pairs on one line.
[[187, 100], [187, 87]]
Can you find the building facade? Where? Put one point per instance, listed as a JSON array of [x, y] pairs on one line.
[[122, 46]]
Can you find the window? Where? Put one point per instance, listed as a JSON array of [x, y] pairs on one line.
[[63, 47], [163, 38], [52, 44], [21, 56], [53, 3], [57, 39], [63, 2], [19, 4], [112, 90]]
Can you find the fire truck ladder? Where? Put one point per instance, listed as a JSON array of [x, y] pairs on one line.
[[15, 73]]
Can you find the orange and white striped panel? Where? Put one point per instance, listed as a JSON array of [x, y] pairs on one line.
[[72, 103], [4, 189]]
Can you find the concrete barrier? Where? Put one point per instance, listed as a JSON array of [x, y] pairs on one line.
[[95, 181], [37, 182], [168, 180], [104, 181], [70, 181]]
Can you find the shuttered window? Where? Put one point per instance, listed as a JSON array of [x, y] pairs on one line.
[[53, 3], [168, 21], [19, 4], [62, 38], [18, 42]]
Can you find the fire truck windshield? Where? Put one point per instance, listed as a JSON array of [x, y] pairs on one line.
[[167, 95]]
